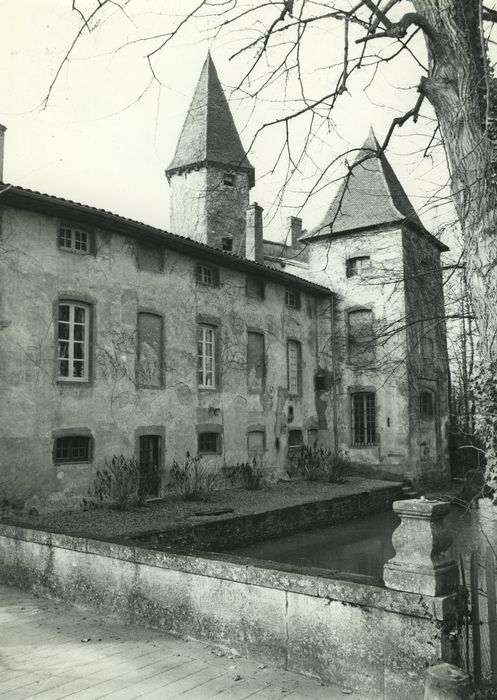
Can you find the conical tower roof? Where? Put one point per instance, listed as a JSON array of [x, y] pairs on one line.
[[370, 197], [209, 134]]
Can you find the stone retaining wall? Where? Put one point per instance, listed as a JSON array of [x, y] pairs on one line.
[[236, 530], [341, 628]]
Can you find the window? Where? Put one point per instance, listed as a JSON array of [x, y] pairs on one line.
[[321, 382], [207, 275], [363, 419], [73, 331], [149, 350], [149, 257], [427, 351], [228, 180], [356, 266], [292, 299], [254, 287], [256, 361], [149, 447], [361, 339], [209, 443], [426, 404], [206, 356], [227, 244], [294, 362], [74, 448], [75, 240], [295, 438]]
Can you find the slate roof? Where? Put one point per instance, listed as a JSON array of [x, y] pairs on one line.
[[372, 196], [66, 209], [209, 134]]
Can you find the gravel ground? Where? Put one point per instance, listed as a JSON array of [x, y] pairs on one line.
[[172, 513]]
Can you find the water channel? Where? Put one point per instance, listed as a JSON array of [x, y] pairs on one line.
[[363, 545]]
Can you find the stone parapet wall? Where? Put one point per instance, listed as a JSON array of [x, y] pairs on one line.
[[341, 628]]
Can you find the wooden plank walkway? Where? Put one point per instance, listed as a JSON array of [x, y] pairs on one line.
[[50, 650]]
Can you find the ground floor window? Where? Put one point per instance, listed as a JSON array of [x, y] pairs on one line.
[[209, 443], [74, 448], [363, 418], [150, 461], [295, 438]]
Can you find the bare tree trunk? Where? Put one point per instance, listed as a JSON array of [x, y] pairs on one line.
[[461, 89]]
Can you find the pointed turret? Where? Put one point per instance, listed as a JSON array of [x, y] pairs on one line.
[[372, 196], [210, 175], [209, 134]]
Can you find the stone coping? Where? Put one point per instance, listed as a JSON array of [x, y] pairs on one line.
[[351, 589]]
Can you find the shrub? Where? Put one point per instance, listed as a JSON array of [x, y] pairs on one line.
[[116, 485], [194, 480], [318, 463]]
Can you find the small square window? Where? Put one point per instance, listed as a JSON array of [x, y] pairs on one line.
[[207, 275], [227, 244], [75, 240], [228, 180], [209, 443], [254, 287], [356, 266], [74, 448], [292, 299]]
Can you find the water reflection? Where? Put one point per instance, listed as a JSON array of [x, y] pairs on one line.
[[362, 546]]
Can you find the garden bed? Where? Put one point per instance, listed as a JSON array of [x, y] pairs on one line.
[[172, 515]]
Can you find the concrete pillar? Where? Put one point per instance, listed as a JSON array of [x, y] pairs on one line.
[[294, 229], [254, 246], [447, 682], [3, 129], [423, 562]]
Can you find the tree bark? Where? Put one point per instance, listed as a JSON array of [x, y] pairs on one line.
[[463, 93]]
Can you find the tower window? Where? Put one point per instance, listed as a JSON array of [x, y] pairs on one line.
[[426, 404], [227, 244], [356, 266], [363, 419], [228, 180]]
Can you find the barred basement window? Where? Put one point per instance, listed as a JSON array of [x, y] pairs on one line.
[[209, 443], [75, 240], [73, 331], [74, 448], [292, 299], [363, 419], [426, 404], [206, 356]]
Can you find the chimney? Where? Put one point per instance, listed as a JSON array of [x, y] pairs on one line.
[[294, 229], [254, 247], [3, 129]]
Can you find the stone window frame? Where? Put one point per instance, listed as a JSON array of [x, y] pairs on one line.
[[215, 324], [298, 344], [90, 304], [73, 230], [150, 245], [257, 428], [73, 433], [363, 391], [427, 412], [295, 431], [211, 429], [349, 268], [153, 312]]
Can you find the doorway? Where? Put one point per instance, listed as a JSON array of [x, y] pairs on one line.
[[150, 460]]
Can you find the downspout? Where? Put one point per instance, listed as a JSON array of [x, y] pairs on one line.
[[334, 372]]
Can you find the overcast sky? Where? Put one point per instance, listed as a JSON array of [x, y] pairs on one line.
[[98, 143]]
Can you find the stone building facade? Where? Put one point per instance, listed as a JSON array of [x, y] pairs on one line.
[[120, 338]]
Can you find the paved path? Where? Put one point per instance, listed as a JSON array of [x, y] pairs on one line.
[[51, 650]]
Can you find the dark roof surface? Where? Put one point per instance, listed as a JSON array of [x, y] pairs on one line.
[[209, 132], [30, 200], [370, 197]]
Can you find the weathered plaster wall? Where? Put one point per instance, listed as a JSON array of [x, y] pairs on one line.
[[35, 273], [379, 289], [425, 316], [343, 630]]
